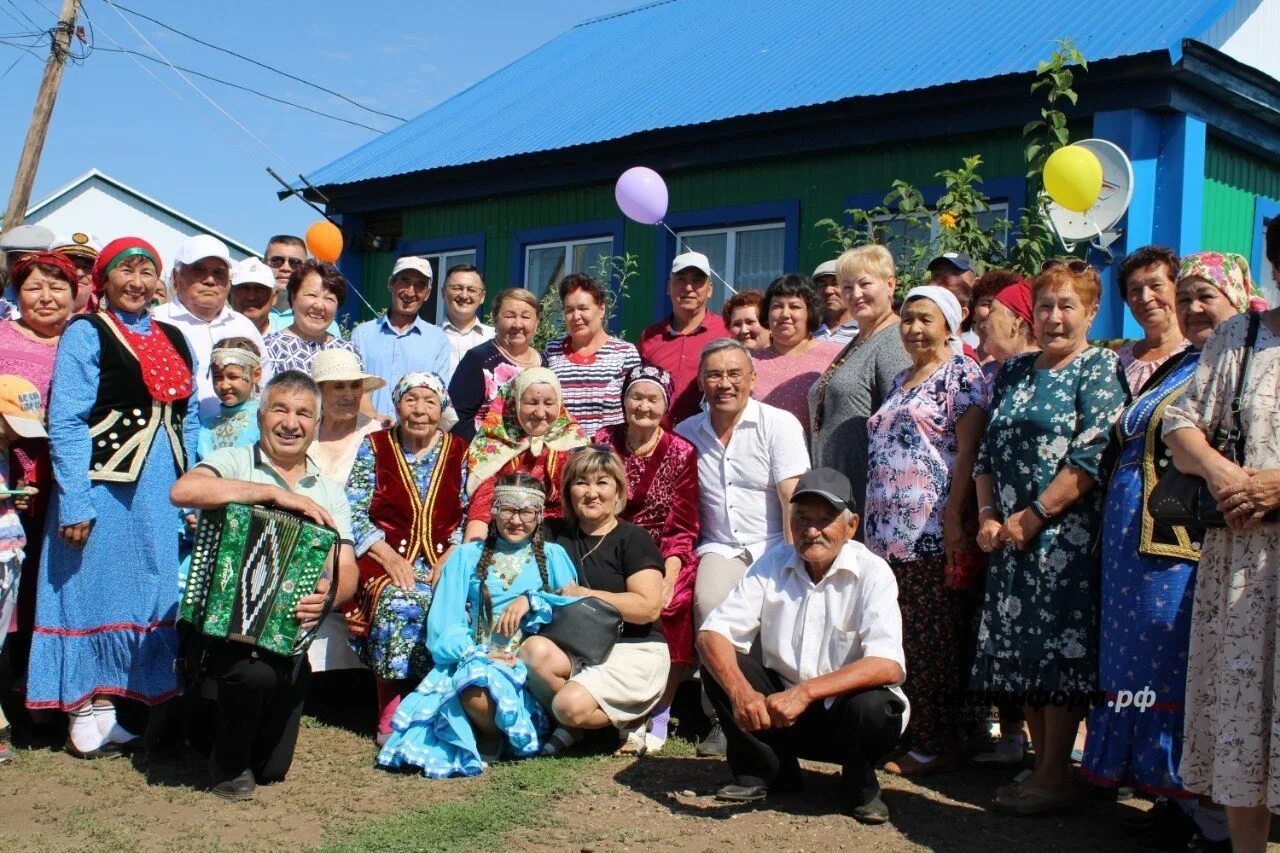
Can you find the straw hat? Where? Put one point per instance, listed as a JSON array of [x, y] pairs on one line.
[[340, 365]]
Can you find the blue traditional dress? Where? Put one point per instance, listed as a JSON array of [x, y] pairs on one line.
[[1148, 584], [431, 730], [105, 613]]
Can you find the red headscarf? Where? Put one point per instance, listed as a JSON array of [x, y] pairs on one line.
[[1017, 298], [164, 371], [61, 262]]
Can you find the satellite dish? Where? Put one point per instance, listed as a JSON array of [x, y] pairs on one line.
[[1097, 224]]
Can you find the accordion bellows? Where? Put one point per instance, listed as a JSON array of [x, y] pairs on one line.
[[250, 566]]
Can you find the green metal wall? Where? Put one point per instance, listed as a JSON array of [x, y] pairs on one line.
[[820, 182], [1234, 178]]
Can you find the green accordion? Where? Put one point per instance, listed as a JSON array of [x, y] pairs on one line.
[[250, 566]]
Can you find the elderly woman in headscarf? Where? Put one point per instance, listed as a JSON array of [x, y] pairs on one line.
[[121, 432], [662, 498], [405, 490], [924, 438], [528, 429]]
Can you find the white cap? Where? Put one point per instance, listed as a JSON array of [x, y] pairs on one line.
[[199, 247], [252, 271], [80, 243], [825, 268], [412, 262], [696, 260]]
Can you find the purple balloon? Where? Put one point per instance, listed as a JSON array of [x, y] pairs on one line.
[[642, 195]]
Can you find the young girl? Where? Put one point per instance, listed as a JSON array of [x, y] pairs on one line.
[[473, 708], [236, 365]]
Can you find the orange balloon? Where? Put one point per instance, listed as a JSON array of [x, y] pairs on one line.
[[324, 241]]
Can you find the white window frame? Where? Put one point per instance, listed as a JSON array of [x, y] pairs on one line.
[[568, 246], [719, 293], [1000, 208], [442, 269]]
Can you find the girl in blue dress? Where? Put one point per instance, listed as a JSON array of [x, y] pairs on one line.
[[473, 707]]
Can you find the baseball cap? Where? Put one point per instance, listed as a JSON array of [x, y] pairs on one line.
[[26, 238], [80, 244], [199, 247], [828, 484], [412, 262], [20, 407], [691, 260], [825, 268], [959, 260], [252, 271]]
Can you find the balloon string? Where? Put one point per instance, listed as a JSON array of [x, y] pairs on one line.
[[717, 275]]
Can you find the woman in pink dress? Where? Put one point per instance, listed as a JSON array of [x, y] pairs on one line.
[[662, 499], [793, 361]]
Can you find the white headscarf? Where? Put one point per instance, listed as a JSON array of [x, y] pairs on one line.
[[947, 304]]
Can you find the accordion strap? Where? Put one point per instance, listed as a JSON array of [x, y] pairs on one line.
[[330, 595]]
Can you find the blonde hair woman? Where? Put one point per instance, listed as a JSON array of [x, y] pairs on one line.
[[851, 389]]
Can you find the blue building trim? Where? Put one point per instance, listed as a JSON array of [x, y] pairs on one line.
[[1264, 210], [445, 245], [1012, 191], [524, 238], [351, 265], [1167, 152], [786, 211]]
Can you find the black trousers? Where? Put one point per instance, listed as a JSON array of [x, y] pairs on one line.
[[259, 707], [857, 732]]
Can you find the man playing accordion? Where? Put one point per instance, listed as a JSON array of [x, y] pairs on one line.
[[260, 693]]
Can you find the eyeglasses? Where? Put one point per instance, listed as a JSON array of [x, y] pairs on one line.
[[1074, 265], [528, 514], [733, 377], [277, 261]]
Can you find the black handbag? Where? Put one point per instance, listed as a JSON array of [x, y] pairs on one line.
[[586, 628], [1185, 499]]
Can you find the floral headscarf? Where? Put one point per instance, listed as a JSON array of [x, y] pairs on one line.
[[650, 373], [434, 384], [501, 438], [1226, 271]]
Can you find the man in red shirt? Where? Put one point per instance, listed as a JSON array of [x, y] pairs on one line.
[[675, 343]]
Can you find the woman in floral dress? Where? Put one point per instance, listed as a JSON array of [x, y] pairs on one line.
[[1039, 512], [924, 439], [406, 500], [1230, 750]]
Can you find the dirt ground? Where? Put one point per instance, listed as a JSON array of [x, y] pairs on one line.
[[334, 797]]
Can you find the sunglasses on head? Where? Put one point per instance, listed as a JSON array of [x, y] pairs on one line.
[[277, 261], [1073, 265]]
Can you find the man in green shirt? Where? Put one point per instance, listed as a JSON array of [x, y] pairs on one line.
[[259, 702]]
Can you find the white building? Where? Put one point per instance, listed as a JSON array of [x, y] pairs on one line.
[[107, 208]]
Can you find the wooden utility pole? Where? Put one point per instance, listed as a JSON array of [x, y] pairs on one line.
[[58, 49]]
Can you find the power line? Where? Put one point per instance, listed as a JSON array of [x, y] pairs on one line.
[[257, 63], [242, 88], [11, 67], [30, 20]]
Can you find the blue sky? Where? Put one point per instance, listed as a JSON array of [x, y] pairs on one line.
[[398, 57]]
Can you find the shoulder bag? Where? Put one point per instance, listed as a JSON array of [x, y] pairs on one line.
[[587, 628]]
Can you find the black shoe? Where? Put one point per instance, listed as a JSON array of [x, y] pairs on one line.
[[714, 744], [742, 793], [107, 750], [1200, 844], [873, 813], [239, 788]]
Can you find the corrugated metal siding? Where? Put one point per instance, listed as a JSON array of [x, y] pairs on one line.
[[1239, 168], [377, 269], [822, 183], [685, 62], [1228, 219]]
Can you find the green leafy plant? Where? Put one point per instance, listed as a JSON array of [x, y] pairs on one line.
[[615, 272]]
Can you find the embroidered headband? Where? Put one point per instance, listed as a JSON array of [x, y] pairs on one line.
[[222, 356], [520, 497], [653, 375]]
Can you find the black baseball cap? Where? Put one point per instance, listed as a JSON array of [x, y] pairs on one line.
[[959, 260], [828, 484]]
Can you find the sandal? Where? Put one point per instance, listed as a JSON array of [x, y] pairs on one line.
[[1028, 801], [635, 744], [561, 739]]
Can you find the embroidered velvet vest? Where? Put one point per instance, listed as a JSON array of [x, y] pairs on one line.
[[125, 420]]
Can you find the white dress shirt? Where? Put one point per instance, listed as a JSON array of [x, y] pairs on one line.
[[809, 629], [202, 335], [460, 341], [738, 485]]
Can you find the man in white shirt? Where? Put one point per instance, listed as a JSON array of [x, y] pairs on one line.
[[201, 283], [827, 683], [463, 295]]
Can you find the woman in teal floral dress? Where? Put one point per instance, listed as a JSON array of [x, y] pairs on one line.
[[1039, 515], [406, 500]]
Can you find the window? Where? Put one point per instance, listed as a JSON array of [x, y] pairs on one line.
[[746, 256], [546, 263], [441, 262], [896, 227]]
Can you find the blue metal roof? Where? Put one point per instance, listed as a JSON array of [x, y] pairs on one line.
[[683, 62]]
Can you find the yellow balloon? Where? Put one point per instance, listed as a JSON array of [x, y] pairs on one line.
[[1073, 177]]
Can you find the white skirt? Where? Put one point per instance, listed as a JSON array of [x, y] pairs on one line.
[[629, 682]]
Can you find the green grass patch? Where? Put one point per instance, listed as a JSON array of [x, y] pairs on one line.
[[514, 796]]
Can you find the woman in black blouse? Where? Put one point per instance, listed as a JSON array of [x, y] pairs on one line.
[[619, 564], [487, 367]]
